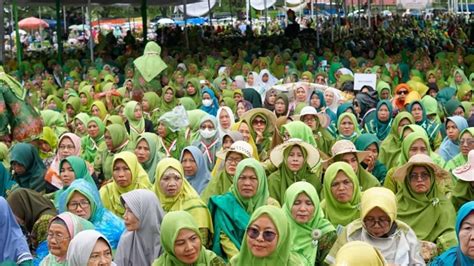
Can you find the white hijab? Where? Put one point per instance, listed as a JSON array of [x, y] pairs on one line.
[[81, 247], [222, 130], [337, 97]]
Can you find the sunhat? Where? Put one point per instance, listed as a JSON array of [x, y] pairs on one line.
[[277, 157]]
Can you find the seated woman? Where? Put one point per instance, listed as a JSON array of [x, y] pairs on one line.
[[171, 138], [209, 141], [462, 254], [267, 240], [28, 168], [182, 242], [359, 253], [227, 140], [422, 203], [380, 126], [450, 147], [466, 144], [345, 151], [82, 199], [127, 175], [89, 247], [341, 194], [195, 168], [370, 143], [318, 123], [140, 244], [303, 210], [80, 122], [225, 120], [61, 231], [231, 211], [147, 153], [220, 183], [282, 106], [136, 124], [94, 141], [432, 128], [176, 194], [379, 227], [261, 123], [464, 190], [14, 248], [347, 127]]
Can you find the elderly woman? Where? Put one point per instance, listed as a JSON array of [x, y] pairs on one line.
[[347, 127], [462, 254], [306, 217], [422, 203], [267, 240], [209, 141], [136, 124], [380, 126], [183, 244], [379, 227], [195, 168], [466, 144], [89, 247], [176, 194]]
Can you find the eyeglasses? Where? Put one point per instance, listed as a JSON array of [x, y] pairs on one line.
[[73, 205], [309, 119], [422, 176], [259, 121], [66, 147], [58, 237], [370, 222], [402, 92], [254, 233], [231, 160]]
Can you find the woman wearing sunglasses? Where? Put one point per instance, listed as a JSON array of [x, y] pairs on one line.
[[401, 92], [268, 240]]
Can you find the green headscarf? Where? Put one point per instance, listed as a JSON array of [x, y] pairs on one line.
[[27, 155], [55, 121], [137, 126], [114, 119], [102, 109], [302, 233], [391, 146], [57, 101], [83, 118], [197, 87], [150, 63], [300, 130], [50, 137], [356, 132], [172, 224], [75, 102], [86, 91], [150, 165], [282, 255], [187, 103], [341, 213], [13, 84], [165, 106], [91, 145], [407, 142]]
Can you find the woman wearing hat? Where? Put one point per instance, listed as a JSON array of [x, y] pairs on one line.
[[318, 123], [466, 144], [464, 190], [422, 203], [295, 160], [261, 123], [231, 212], [379, 227], [341, 194], [370, 143], [345, 151]]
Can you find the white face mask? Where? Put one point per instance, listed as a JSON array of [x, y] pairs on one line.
[[208, 133], [207, 102]]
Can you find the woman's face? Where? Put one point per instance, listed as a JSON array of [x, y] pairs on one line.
[[95, 111], [374, 154], [466, 143], [385, 94], [419, 178], [417, 112], [67, 174], [245, 131], [272, 98], [83, 98], [224, 119], [66, 148], [108, 140], [265, 77], [18, 168], [459, 111], [161, 130], [122, 174], [137, 112], [238, 97], [93, 129], [352, 160], [262, 237], [247, 184], [383, 113], [250, 79], [377, 222], [300, 95], [79, 205], [142, 151], [187, 246], [315, 101], [310, 120], [342, 188], [458, 78], [80, 127], [295, 159], [280, 106], [58, 239], [240, 109], [452, 130], [190, 89], [303, 208], [466, 236], [101, 254], [223, 84], [329, 97], [70, 110], [346, 127], [231, 161], [189, 164], [403, 122], [418, 147], [132, 223], [168, 97], [171, 183], [259, 124], [227, 142]]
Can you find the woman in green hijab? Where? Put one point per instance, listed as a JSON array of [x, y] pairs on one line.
[[150, 103], [29, 169], [193, 91], [99, 110], [318, 123], [171, 138], [391, 146], [136, 124], [179, 235], [168, 100], [86, 98], [422, 203], [147, 153], [80, 124], [73, 107], [347, 127], [231, 211], [261, 123], [380, 126], [267, 240], [370, 143], [54, 103], [466, 144], [417, 109], [305, 215], [341, 194], [94, 141]]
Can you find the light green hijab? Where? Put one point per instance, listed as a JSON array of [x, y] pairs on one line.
[[302, 233], [137, 126], [150, 63], [356, 132], [150, 165]]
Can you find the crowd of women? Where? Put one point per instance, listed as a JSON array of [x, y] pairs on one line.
[[229, 161]]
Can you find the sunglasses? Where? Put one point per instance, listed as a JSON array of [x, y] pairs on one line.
[[402, 92], [254, 233], [259, 121]]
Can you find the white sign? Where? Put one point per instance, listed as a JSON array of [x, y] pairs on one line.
[[414, 4], [361, 80]]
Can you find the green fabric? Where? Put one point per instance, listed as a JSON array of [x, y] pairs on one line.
[[172, 224], [196, 97], [150, 63], [300, 130], [83, 118], [13, 84], [168, 106], [27, 155], [218, 185], [75, 102], [86, 91], [55, 121], [56, 100], [187, 103], [408, 142], [50, 137], [356, 127], [459, 159], [137, 126], [302, 233], [150, 165], [282, 255], [381, 86], [114, 119], [91, 145], [463, 192], [336, 212], [120, 142], [102, 109], [377, 127]]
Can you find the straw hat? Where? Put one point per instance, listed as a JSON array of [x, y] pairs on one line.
[[323, 118], [343, 147], [466, 171], [277, 157], [240, 147], [419, 160], [269, 116]]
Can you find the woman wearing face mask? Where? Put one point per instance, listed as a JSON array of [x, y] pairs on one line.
[[140, 243], [379, 227], [89, 247], [209, 142], [183, 243], [210, 104], [175, 193], [267, 240]]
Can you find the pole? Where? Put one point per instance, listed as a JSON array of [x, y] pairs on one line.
[[91, 37], [144, 21], [317, 27], [265, 13], [59, 32], [312, 9], [332, 22], [2, 34], [17, 34], [210, 14], [369, 15], [186, 23], [64, 17], [286, 14]]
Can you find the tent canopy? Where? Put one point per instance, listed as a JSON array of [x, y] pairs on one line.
[[107, 2]]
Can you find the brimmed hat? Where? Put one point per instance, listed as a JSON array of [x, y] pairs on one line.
[[343, 147], [277, 154], [323, 118], [466, 171], [420, 160], [240, 147], [270, 117]]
